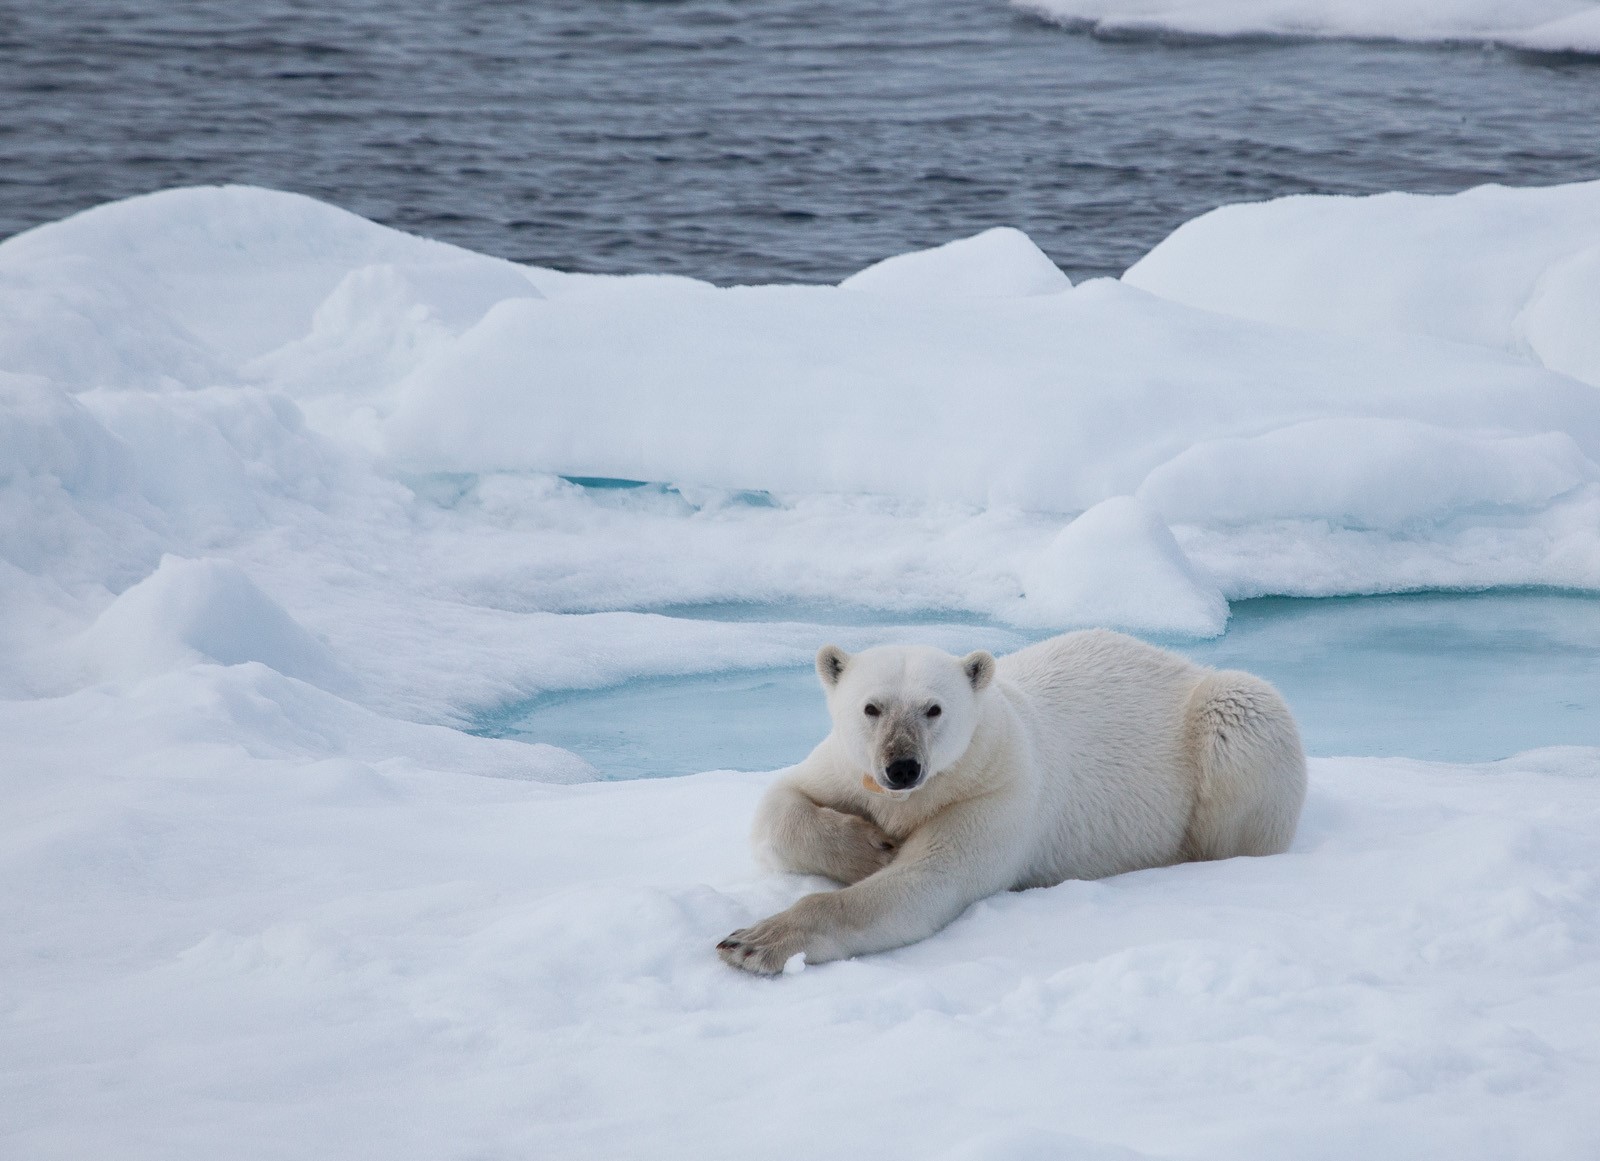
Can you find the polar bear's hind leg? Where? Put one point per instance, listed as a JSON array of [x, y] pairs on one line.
[[1250, 768]]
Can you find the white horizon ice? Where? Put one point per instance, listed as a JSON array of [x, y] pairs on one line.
[[1560, 26], [288, 499], [1001, 262], [324, 374], [1495, 266]]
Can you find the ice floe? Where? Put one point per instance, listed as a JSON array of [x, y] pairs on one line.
[[1540, 25], [286, 498]]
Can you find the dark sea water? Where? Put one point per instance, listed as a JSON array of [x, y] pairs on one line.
[[748, 140]]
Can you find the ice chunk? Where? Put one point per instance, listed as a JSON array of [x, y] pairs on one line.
[[47, 435], [1463, 267], [1028, 1143], [1051, 403], [1002, 262], [1561, 321], [1553, 25], [1363, 473], [1118, 566], [189, 611], [195, 282], [1578, 33]]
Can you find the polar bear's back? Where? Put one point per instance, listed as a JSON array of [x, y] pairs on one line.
[[1105, 717]]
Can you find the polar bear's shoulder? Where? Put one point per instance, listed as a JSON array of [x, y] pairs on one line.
[[1098, 656]]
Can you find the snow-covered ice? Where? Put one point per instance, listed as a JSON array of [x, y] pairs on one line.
[[1563, 26], [1506, 268], [1001, 262], [225, 936], [288, 499]]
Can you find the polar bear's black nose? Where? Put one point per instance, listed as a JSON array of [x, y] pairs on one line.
[[903, 772]]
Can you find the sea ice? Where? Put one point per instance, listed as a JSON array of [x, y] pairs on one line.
[[192, 611], [1543, 25], [1118, 564], [1502, 267], [287, 498], [999, 263]]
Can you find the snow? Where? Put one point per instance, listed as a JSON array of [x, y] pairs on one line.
[[1001, 262], [1118, 564], [1538, 25], [287, 499], [190, 611], [1507, 268], [1364, 473], [223, 936], [796, 429]]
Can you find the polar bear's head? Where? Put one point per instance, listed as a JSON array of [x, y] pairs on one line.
[[903, 713]]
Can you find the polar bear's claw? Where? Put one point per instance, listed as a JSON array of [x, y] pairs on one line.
[[762, 949]]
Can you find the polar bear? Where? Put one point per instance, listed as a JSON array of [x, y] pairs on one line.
[[948, 779]]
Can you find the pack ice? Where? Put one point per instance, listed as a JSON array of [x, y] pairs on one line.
[[287, 499]]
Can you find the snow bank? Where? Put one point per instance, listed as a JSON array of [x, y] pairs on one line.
[[1540, 25], [998, 263], [1508, 268], [225, 939]]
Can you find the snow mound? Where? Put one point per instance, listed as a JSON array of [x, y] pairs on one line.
[[45, 435], [187, 285], [1508, 268], [1033, 1144], [191, 611], [999, 263], [1118, 566], [1540, 25], [1561, 321], [1364, 474]]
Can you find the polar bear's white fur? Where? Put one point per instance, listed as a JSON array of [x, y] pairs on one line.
[[949, 779]]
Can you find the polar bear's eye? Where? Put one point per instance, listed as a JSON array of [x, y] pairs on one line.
[[934, 711], [871, 711]]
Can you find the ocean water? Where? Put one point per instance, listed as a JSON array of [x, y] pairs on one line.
[[1460, 677], [748, 142]]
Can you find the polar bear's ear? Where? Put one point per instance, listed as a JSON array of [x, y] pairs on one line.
[[831, 661], [979, 668]]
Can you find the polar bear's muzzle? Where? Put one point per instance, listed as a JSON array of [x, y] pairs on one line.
[[902, 774]]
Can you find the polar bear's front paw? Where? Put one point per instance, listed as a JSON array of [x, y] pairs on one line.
[[854, 847], [765, 947]]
